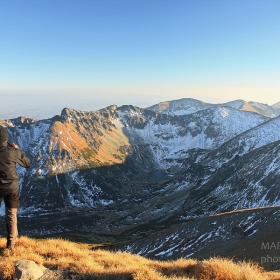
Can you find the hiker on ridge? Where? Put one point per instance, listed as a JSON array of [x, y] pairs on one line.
[[10, 154]]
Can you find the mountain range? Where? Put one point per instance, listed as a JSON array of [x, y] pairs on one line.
[[177, 179]]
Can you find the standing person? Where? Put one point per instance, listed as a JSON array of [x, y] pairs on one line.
[[10, 154]]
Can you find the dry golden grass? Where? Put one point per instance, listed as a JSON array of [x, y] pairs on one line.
[[80, 260]]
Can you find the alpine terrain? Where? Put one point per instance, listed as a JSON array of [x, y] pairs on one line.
[[178, 179]]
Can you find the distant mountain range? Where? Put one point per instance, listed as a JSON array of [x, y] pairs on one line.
[[180, 178], [189, 105]]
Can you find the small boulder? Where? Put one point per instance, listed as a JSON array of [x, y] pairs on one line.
[[28, 270]]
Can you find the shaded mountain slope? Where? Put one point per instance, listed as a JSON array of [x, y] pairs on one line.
[[261, 135], [168, 136], [240, 235]]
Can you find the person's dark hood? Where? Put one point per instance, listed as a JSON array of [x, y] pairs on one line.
[[3, 135]]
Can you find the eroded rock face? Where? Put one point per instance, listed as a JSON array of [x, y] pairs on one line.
[[28, 270]]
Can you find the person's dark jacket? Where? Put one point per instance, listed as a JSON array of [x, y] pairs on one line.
[[9, 156]]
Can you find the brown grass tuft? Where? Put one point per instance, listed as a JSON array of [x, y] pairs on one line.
[[225, 269], [80, 260]]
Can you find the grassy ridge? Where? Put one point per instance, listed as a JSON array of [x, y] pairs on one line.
[[81, 260]]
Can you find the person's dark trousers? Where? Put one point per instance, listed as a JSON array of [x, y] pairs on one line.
[[10, 194], [12, 230]]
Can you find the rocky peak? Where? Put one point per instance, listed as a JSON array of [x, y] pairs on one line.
[[20, 121]]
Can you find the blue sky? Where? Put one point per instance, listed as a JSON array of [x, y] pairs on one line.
[[140, 52]]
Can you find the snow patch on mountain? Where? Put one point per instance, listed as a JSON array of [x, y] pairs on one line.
[[206, 129], [254, 138]]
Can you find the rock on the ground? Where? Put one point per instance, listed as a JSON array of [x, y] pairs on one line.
[[28, 270]]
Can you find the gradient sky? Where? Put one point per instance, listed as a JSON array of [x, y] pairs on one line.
[[140, 52]]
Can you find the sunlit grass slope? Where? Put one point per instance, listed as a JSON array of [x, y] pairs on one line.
[[81, 260]]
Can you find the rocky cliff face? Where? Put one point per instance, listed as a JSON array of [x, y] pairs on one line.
[[124, 172]]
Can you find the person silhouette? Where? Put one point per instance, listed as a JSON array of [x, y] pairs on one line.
[[10, 155]]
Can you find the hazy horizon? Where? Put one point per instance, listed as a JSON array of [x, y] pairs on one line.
[[44, 107]]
